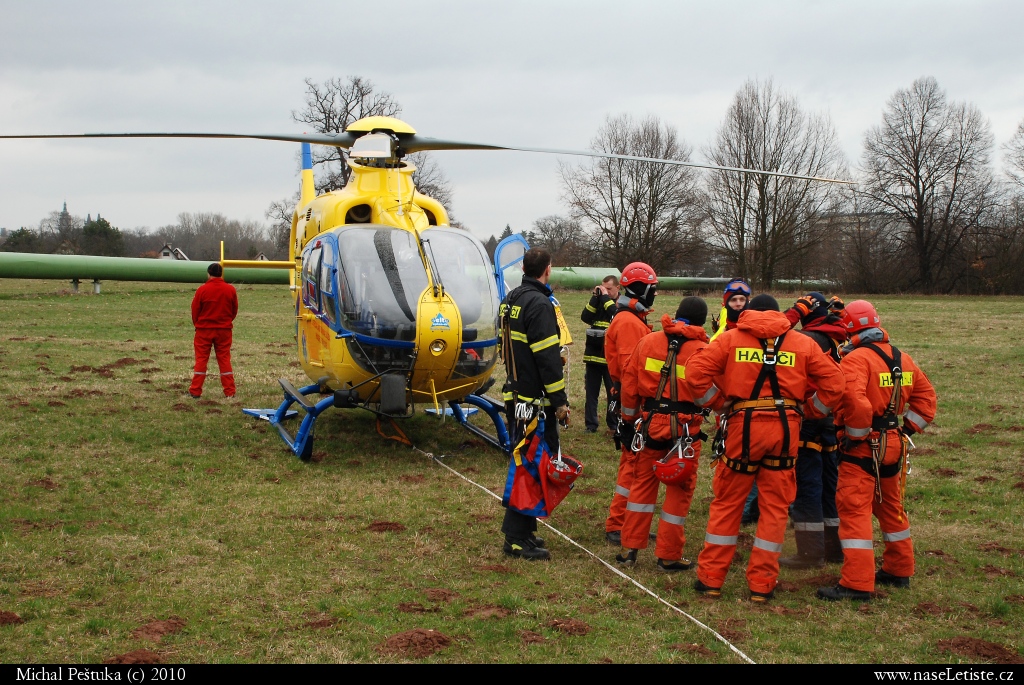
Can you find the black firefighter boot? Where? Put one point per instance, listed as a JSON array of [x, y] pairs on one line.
[[810, 547], [833, 550]]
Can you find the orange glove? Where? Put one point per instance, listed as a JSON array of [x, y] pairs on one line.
[[805, 305]]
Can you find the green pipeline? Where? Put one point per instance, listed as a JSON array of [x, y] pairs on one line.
[[26, 265]]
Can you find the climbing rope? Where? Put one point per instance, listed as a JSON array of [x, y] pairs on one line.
[[618, 572]]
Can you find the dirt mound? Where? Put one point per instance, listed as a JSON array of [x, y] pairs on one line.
[[497, 568], [948, 473], [820, 580], [182, 407], [321, 623], [139, 656], [569, 626], [155, 630], [487, 611], [151, 369], [973, 648], [44, 483], [530, 638], [929, 609], [439, 594], [9, 618], [415, 644], [412, 479], [206, 403], [385, 527], [996, 547], [980, 428], [786, 611], [121, 363], [55, 403], [1014, 599], [786, 586], [416, 608], [991, 572], [691, 648]]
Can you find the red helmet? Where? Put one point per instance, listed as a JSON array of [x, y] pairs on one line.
[[640, 283], [638, 272], [564, 470], [858, 315], [674, 468]]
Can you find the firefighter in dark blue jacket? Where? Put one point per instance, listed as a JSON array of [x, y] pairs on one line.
[[533, 364], [598, 314]]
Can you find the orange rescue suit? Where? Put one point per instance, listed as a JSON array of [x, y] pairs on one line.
[[640, 380], [869, 389], [723, 376], [626, 330]]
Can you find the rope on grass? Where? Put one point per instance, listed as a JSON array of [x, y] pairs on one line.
[[618, 572]]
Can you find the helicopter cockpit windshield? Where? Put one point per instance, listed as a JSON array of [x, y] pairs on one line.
[[380, 278]]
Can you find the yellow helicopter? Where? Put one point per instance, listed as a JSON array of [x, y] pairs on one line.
[[393, 307]]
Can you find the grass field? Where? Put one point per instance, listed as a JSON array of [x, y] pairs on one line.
[[133, 518]]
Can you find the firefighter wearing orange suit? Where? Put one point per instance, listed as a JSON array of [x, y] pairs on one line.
[[759, 375], [667, 440], [638, 286], [882, 384]]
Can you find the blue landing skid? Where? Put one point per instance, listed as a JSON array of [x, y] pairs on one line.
[[302, 444], [493, 409]]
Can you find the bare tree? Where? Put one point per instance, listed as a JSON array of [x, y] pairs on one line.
[[761, 221], [330, 108], [634, 210], [562, 236], [927, 168], [1015, 156]]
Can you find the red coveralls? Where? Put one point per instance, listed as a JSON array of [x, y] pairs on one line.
[[726, 372], [868, 392], [625, 331], [640, 381], [214, 308]]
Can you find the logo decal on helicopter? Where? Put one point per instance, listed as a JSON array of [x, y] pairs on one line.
[[439, 323]]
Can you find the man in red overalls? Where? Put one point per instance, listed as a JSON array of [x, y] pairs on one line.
[[214, 308]]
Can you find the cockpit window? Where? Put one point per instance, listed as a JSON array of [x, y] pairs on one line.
[[380, 279], [466, 274]]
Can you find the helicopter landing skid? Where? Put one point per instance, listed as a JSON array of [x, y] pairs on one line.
[[302, 444], [493, 409]]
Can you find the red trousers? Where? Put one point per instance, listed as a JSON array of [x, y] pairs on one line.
[[856, 501], [623, 482], [776, 490], [220, 340], [643, 497]]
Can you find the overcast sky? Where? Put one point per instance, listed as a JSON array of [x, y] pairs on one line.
[[527, 73]]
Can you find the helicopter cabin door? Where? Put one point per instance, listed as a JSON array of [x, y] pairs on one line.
[[318, 312], [508, 260]]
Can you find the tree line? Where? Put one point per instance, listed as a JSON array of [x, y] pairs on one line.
[[198, 235], [928, 213]]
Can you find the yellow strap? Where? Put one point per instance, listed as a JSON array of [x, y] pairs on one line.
[[767, 403]]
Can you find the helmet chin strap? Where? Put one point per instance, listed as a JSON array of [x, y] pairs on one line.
[[632, 303]]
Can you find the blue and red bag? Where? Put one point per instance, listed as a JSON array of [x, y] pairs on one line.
[[537, 482]]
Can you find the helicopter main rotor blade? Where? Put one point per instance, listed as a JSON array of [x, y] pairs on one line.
[[420, 143], [415, 143], [333, 139]]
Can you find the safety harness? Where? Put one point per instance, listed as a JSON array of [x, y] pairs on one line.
[[672, 406], [881, 425], [769, 374]]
